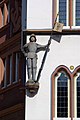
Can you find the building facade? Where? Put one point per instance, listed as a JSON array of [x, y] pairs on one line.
[[58, 94], [12, 96]]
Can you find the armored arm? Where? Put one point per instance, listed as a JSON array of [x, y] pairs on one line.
[[41, 47], [25, 50]]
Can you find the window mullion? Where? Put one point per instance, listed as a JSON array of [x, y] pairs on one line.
[[68, 98], [70, 13], [56, 97], [75, 97], [74, 13]]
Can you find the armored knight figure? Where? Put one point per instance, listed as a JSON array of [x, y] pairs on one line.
[[30, 51]]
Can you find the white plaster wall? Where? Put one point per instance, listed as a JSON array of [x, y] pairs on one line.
[[67, 53], [39, 14]]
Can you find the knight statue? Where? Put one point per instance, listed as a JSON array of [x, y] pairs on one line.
[[30, 51]]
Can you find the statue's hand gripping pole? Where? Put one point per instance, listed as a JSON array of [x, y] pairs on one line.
[[46, 51]]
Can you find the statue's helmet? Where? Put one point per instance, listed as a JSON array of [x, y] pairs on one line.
[[32, 38]]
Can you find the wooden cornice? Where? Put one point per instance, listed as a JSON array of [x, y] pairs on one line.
[[48, 32]]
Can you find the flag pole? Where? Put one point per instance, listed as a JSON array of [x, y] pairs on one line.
[[46, 51]]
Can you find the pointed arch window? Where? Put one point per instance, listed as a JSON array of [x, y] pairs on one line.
[[62, 95], [66, 94]]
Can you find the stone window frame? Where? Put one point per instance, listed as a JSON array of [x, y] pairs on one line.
[[73, 91]]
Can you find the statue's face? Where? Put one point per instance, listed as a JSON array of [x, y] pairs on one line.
[[33, 39]]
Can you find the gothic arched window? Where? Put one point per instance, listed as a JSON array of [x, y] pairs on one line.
[[66, 93], [61, 93]]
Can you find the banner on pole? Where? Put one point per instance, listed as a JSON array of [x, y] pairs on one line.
[[58, 27], [56, 38]]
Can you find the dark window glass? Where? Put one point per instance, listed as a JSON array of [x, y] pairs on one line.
[[62, 95], [9, 65], [78, 96], [77, 12], [17, 67], [62, 11]]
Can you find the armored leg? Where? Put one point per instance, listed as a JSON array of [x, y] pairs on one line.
[[34, 69], [29, 69]]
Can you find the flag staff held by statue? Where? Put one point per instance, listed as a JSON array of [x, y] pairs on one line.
[[58, 28]]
